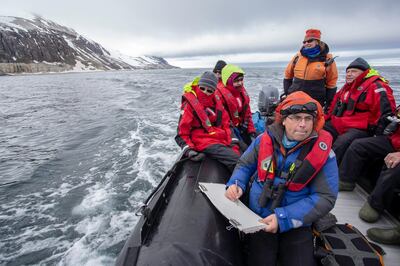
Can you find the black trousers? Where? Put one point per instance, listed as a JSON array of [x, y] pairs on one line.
[[388, 180], [294, 247], [225, 155], [343, 141], [360, 153]]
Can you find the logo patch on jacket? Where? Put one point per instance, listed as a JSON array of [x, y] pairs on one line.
[[323, 146]]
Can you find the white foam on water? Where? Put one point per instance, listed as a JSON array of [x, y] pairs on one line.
[[96, 200]]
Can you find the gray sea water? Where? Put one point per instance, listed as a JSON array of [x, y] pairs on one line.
[[79, 152]]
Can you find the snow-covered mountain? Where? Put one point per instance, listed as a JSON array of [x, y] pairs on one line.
[[40, 45]]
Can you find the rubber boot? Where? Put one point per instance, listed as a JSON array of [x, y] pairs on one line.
[[385, 236], [369, 214]]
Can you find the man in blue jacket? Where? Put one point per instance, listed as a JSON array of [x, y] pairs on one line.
[[295, 182]]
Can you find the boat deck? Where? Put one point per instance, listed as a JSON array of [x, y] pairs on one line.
[[346, 211]]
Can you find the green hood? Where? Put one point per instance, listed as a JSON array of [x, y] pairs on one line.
[[373, 72], [228, 70], [188, 86]]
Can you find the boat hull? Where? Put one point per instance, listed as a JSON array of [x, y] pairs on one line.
[[181, 227]]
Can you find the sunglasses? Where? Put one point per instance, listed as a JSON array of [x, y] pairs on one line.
[[300, 108], [238, 79], [207, 90], [308, 41]]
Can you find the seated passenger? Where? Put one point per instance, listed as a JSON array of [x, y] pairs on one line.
[[217, 71], [388, 181], [268, 99], [292, 177], [204, 127], [237, 103], [360, 108]]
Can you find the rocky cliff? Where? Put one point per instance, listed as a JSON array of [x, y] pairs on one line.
[[40, 45]]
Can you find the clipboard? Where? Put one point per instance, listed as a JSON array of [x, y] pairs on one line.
[[238, 214]]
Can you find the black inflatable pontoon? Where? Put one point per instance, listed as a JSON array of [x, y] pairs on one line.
[[179, 226]]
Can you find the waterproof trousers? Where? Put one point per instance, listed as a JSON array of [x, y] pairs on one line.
[[291, 248], [343, 141], [381, 196], [225, 155], [360, 154]]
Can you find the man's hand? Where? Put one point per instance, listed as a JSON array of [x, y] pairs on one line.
[[272, 223], [233, 192], [392, 159]]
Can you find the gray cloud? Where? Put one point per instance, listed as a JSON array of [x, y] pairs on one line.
[[181, 28]]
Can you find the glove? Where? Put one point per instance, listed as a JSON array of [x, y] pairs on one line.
[[194, 155]]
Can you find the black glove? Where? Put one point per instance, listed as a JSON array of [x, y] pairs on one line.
[[194, 155]]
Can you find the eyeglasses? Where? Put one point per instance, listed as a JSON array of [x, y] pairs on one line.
[[217, 72], [207, 90], [300, 108], [298, 119], [308, 41], [238, 79]]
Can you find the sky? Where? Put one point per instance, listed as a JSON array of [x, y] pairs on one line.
[[198, 33]]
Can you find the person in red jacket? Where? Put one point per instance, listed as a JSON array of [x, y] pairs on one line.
[[360, 108], [237, 103], [204, 127], [360, 153]]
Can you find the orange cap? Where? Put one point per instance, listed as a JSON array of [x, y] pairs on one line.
[[313, 34], [300, 98]]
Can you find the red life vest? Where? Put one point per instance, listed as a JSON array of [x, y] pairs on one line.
[[305, 169], [200, 112], [231, 105], [352, 117], [352, 101]]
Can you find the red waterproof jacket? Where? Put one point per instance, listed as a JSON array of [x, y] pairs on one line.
[[395, 139], [203, 121], [237, 103], [363, 104]]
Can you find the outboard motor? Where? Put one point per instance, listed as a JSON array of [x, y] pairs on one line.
[[268, 99]]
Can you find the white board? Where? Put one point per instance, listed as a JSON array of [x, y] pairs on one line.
[[238, 214]]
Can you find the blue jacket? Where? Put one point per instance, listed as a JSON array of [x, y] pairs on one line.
[[300, 208], [259, 122]]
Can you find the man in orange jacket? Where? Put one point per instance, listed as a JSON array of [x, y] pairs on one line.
[[312, 70]]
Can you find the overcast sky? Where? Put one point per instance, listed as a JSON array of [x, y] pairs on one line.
[[195, 33]]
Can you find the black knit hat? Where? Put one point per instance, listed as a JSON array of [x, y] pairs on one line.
[[209, 80], [219, 66], [359, 63]]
